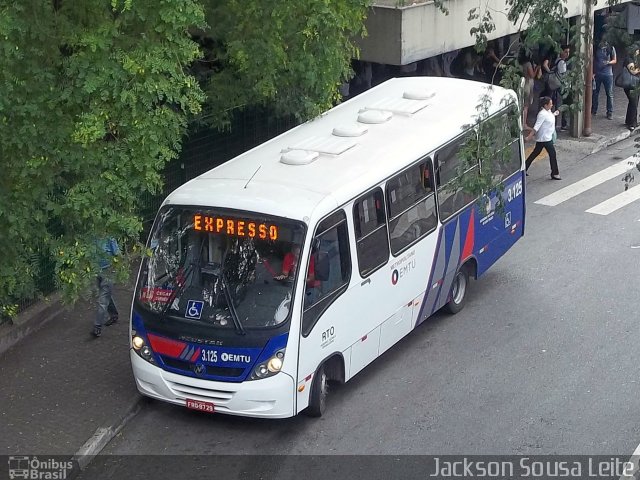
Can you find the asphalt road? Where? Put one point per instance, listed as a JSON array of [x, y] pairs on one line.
[[543, 360]]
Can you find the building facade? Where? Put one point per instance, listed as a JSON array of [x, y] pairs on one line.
[[400, 33], [408, 37]]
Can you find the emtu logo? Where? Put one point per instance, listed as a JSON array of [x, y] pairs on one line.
[[402, 271]]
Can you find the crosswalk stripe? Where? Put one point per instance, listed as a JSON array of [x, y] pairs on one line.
[[585, 184], [614, 203]]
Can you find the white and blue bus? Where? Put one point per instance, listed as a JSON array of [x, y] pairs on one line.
[[301, 261]]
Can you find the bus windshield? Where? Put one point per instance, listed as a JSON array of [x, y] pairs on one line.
[[220, 268]]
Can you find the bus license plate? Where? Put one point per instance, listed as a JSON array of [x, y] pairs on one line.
[[201, 406]]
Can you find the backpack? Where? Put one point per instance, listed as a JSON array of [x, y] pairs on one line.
[[552, 78]]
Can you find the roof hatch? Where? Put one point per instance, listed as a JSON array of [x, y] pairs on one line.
[[326, 145], [350, 130], [402, 106], [374, 116], [298, 157], [418, 94]]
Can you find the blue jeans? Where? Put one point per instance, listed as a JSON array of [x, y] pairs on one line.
[[106, 307], [607, 81]]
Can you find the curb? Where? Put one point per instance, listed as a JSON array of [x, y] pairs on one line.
[[32, 319], [607, 142], [103, 435]]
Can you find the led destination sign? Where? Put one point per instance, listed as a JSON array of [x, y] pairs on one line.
[[235, 227]]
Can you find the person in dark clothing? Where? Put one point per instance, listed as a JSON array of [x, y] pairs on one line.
[[490, 65], [604, 57], [631, 119], [469, 66]]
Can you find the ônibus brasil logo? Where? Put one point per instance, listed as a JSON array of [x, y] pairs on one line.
[[35, 468]]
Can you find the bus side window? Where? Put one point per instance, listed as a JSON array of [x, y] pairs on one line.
[[508, 145], [452, 199], [331, 259], [411, 207], [371, 232]]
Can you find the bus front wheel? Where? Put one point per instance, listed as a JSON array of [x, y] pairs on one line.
[[458, 293], [319, 393]]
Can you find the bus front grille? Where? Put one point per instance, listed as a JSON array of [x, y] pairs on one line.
[[190, 391]]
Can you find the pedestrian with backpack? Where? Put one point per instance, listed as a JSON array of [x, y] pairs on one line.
[[107, 313], [551, 77]]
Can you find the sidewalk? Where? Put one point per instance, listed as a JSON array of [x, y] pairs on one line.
[[59, 385], [605, 132], [61, 389]]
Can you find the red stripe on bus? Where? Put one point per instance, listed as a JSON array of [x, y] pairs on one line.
[[467, 250], [165, 346], [196, 355]]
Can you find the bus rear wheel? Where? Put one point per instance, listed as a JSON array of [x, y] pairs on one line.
[[319, 393], [458, 293]]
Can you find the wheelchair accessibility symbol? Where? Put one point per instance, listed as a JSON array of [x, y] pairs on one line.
[[194, 309], [507, 220]]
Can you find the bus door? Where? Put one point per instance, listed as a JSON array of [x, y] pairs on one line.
[[324, 310], [346, 320], [369, 299]]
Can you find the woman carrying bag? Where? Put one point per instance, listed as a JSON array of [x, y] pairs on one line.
[[629, 78], [544, 130]]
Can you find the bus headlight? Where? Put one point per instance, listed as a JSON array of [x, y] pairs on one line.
[[274, 365], [141, 348], [269, 367], [137, 343]]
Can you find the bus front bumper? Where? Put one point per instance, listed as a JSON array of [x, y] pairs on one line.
[[271, 397]]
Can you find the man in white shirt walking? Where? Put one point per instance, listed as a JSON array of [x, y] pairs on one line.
[[544, 131]]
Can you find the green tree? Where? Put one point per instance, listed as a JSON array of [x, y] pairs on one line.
[[95, 99], [539, 23], [291, 56], [97, 96]]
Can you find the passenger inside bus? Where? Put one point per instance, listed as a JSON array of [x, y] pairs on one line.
[[289, 267], [427, 181]]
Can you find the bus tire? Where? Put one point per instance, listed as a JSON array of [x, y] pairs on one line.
[[458, 293], [319, 393]]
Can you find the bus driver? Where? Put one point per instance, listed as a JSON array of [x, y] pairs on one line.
[[289, 266]]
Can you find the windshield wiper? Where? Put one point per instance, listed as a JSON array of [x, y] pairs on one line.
[[232, 308], [180, 287]]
